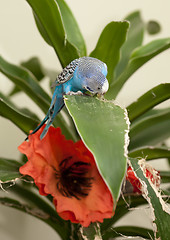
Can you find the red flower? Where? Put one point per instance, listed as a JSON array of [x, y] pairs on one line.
[[68, 172], [150, 173]]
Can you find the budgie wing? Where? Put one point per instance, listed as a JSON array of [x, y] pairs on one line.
[[67, 73]]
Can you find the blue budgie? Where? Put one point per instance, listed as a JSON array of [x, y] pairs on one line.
[[81, 75]]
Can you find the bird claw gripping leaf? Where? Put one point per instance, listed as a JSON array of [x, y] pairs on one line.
[[81, 75], [79, 93]]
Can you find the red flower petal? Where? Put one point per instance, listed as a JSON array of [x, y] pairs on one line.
[[68, 172], [150, 173]]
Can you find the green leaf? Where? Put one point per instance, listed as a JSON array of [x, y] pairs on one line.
[[140, 232], [150, 130], [34, 66], [42, 30], [134, 40], [109, 44], [40, 208], [150, 113], [9, 170], [24, 111], [38, 213], [24, 122], [52, 18], [150, 153], [123, 206], [26, 82], [102, 126], [32, 199], [71, 27], [138, 58], [165, 176], [147, 101], [153, 27], [158, 207]]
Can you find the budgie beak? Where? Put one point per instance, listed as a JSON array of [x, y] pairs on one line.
[[105, 87]]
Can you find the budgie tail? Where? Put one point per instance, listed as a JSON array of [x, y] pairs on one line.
[[56, 105]]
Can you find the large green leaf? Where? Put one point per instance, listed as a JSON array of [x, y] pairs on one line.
[[134, 40], [103, 128], [147, 101], [138, 58], [109, 44], [150, 153], [24, 122], [9, 170], [150, 130], [161, 212], [52, 19], [141, 233]]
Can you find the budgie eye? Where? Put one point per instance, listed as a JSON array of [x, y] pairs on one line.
[[89, 89]]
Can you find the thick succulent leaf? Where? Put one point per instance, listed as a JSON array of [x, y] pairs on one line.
[[9, 170], [34, 66], [38, 213], [109, 44], [52, 18], [103, 127], [150, 130], [165, 176], [24, 122], [122, 209], [138, 58], [160, 211], [150, 153], [128, 232], [134, 40], [26, 82], [147, 101]]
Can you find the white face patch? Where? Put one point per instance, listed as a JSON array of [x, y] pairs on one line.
[[105, 87]]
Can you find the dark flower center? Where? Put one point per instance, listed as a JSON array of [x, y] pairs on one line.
[[73, 180]]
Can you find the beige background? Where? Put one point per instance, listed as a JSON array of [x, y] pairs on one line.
[[20, 40]]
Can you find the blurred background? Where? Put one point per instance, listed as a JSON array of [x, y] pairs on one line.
[[20, 40]]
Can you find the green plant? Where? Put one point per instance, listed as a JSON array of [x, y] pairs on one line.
[[121, 47]]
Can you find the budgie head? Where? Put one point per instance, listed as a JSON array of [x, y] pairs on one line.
[[85, 73], [92, 73]]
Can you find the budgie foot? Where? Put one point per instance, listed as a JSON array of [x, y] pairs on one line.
[[75, 93]]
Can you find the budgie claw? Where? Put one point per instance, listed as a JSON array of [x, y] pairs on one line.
[[75, 93]]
